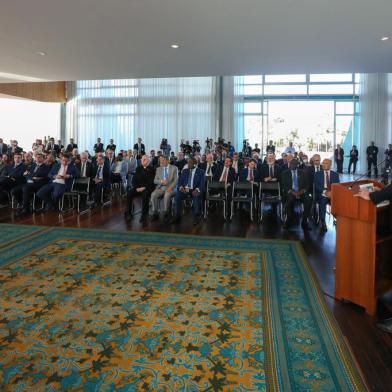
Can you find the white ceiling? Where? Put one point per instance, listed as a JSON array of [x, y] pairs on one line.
[[99, 39]]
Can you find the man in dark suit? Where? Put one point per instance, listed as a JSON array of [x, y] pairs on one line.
[[3, 147], [237, 164], [71, 145], [36, 178], [250, 173], [142, 185], [53, 147], [322, 185], [295, 188], [190, 184], [111, 146], [181, 162], [139, 146], [12, 176], [13, 148], [312, 170], [84, 166], [270, 148], [225, 173], [100, 178], [371, 154], [269, 171], [98, 146], [61, 176], [339, 158]]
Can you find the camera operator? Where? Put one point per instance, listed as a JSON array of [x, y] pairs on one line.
[[196, 147], [165, 147]]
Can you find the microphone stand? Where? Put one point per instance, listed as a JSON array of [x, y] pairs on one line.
[[366, 173]]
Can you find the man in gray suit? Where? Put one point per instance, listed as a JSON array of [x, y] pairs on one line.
[[166, 178]]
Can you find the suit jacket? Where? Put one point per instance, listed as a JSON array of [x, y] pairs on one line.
[[98, 147], [382, 195], [40, 172], [231, 176], [198, 179], [337, 155], [287, 181], [106, 175], [16, 173], [244, 175], [72, 170], [172, 177], [132, 164], [203, 166], [56, 148], [240, 166], [354, 155], [16, 150], [3, 148], [144, 177], [142, 148], [319, 181], [111, 147], [180, 164], [89, 168], [264, 171], [70, 147]]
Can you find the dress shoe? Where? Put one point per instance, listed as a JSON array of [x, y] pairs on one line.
[[23, 211], [323, 227], [175, 219], [196, 220], [154, 217], [128, 215], [143, 219], [304, 225]]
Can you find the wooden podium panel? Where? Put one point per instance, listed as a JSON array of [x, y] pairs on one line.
[[356, 277]]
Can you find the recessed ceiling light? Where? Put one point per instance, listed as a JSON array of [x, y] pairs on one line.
[[174, 46], [385, 38], [41, 53]]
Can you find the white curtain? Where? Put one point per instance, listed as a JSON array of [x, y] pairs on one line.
[[233, 110], [375, 114], [173, 108]]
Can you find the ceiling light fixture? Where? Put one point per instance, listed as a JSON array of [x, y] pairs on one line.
[[385, 38], [41, 53], [174, 46]]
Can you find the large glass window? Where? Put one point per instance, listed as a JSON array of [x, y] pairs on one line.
[[24, 120]]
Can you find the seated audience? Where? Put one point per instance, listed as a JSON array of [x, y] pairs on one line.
[[61, 176], [12, 176], [101, 179], [166, 178], [295, 188], [190, 185], [143, 186], [322, 184], [36, 177]]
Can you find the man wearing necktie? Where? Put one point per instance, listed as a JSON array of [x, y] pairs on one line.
[[35, 180], [227, 175], [269, 170], [190, 185], [322, 184], [166, 178], [61, 176], [295, 188], [101, 179], [139, 146]]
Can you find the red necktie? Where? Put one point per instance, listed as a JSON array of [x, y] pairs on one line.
[[328, 182], [251, 175]]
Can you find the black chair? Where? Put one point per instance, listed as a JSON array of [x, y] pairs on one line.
[[242, 192], [216, 192], [269, 193], [315, 211], [80, 188]]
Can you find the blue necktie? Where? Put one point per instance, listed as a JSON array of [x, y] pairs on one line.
[[190, 179], [295, 181], [165, 173]]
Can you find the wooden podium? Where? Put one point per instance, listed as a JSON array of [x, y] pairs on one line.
[[363, 249]]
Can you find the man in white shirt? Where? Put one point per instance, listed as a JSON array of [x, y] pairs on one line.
[[290, 149]]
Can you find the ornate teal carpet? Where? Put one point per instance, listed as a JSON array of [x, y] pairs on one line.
[[88, 310]]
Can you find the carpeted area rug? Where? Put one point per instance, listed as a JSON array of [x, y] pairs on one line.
[[96, 310]]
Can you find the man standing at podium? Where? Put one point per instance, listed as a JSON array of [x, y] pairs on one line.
[[378, 196], [322, 183]]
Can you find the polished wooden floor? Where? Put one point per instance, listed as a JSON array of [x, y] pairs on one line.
[[371, 347]]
